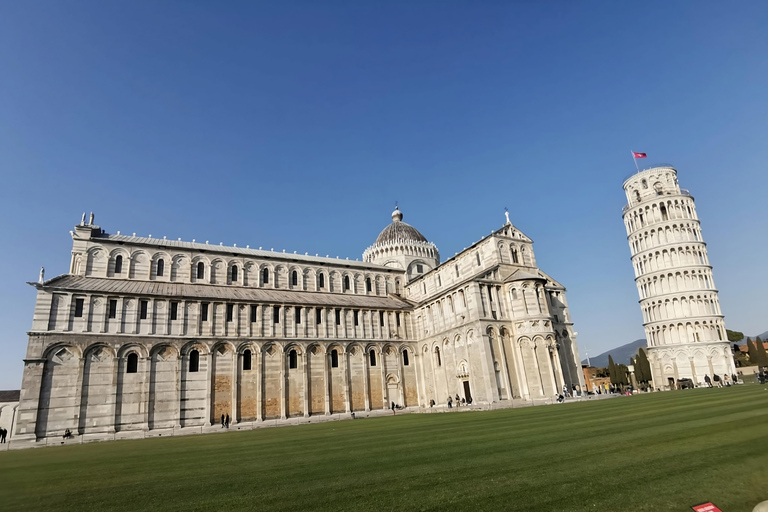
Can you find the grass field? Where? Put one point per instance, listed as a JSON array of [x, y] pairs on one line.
[[660, 452]]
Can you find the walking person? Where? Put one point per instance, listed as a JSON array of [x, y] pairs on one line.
[[222, 421], [226, 421], [450, 402], [716, 378], [708, 381], [458, 401], [3, 432]]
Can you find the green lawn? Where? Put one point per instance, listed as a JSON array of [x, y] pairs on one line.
[[659, 452]]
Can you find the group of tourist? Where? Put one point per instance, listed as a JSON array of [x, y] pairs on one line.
[[459, 401], [3, 434], [726, 380]]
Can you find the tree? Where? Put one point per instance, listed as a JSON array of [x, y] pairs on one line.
[[642, 367], [612, 373], [734, 335], [752, 351], [761, 358], [623, 374]]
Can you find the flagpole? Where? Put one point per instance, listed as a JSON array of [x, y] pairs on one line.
[[635, 160]]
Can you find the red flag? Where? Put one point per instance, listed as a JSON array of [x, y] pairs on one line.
[[639, 155]]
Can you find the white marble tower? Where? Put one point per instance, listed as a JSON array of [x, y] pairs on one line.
[[683, 322]]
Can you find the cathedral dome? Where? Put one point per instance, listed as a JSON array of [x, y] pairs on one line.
[[399, 231], [400, 245]]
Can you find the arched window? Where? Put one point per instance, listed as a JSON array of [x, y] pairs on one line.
[[321, 281], [637, 195], [645, 184], [118, 264], [160, 267], [477, 255], [514, 293], [405, 358], [293, 359], [346, 283], [294, 278], [457, 270], [234, 273], [372, 355], [334, 358], [201, 270], [133, 363], [265, 276], [368, 284], [246, 360], [194, 361], [439, 281], [438, 361], [514, 255]]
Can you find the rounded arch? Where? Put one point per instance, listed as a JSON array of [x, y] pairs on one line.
[[163, 345], [49, 352], [132, 346], [193, 345], [392, 378], [293, 346], [247, 345], [227, 345], [99, 346]]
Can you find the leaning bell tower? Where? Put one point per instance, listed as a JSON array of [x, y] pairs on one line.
[[684, 325]]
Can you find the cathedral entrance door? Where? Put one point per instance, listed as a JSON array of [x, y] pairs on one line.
[[467, 394]]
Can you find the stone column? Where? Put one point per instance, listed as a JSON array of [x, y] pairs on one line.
[[259, 365], [693, 372], [208, 358], [119, 316], [495, 295], [79, 396], [384, 403], [327, 375], [524, 390], [105, 315], [146, 376], [283, 379], [305, 375], [177, 413], [345, 369], [503, 365], [366, 384], [559, 368], [151, 305], [113, 397], [235, 387]]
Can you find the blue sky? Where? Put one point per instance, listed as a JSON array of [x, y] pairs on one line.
[[297, 125]]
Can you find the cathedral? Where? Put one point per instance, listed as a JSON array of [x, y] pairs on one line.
[[148, 337]]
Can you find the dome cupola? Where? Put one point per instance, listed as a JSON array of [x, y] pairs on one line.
[[401, 245]]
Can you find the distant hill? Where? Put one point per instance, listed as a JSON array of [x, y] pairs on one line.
[[621, 355]]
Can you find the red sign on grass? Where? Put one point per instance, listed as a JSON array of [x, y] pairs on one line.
[[706, 507]]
